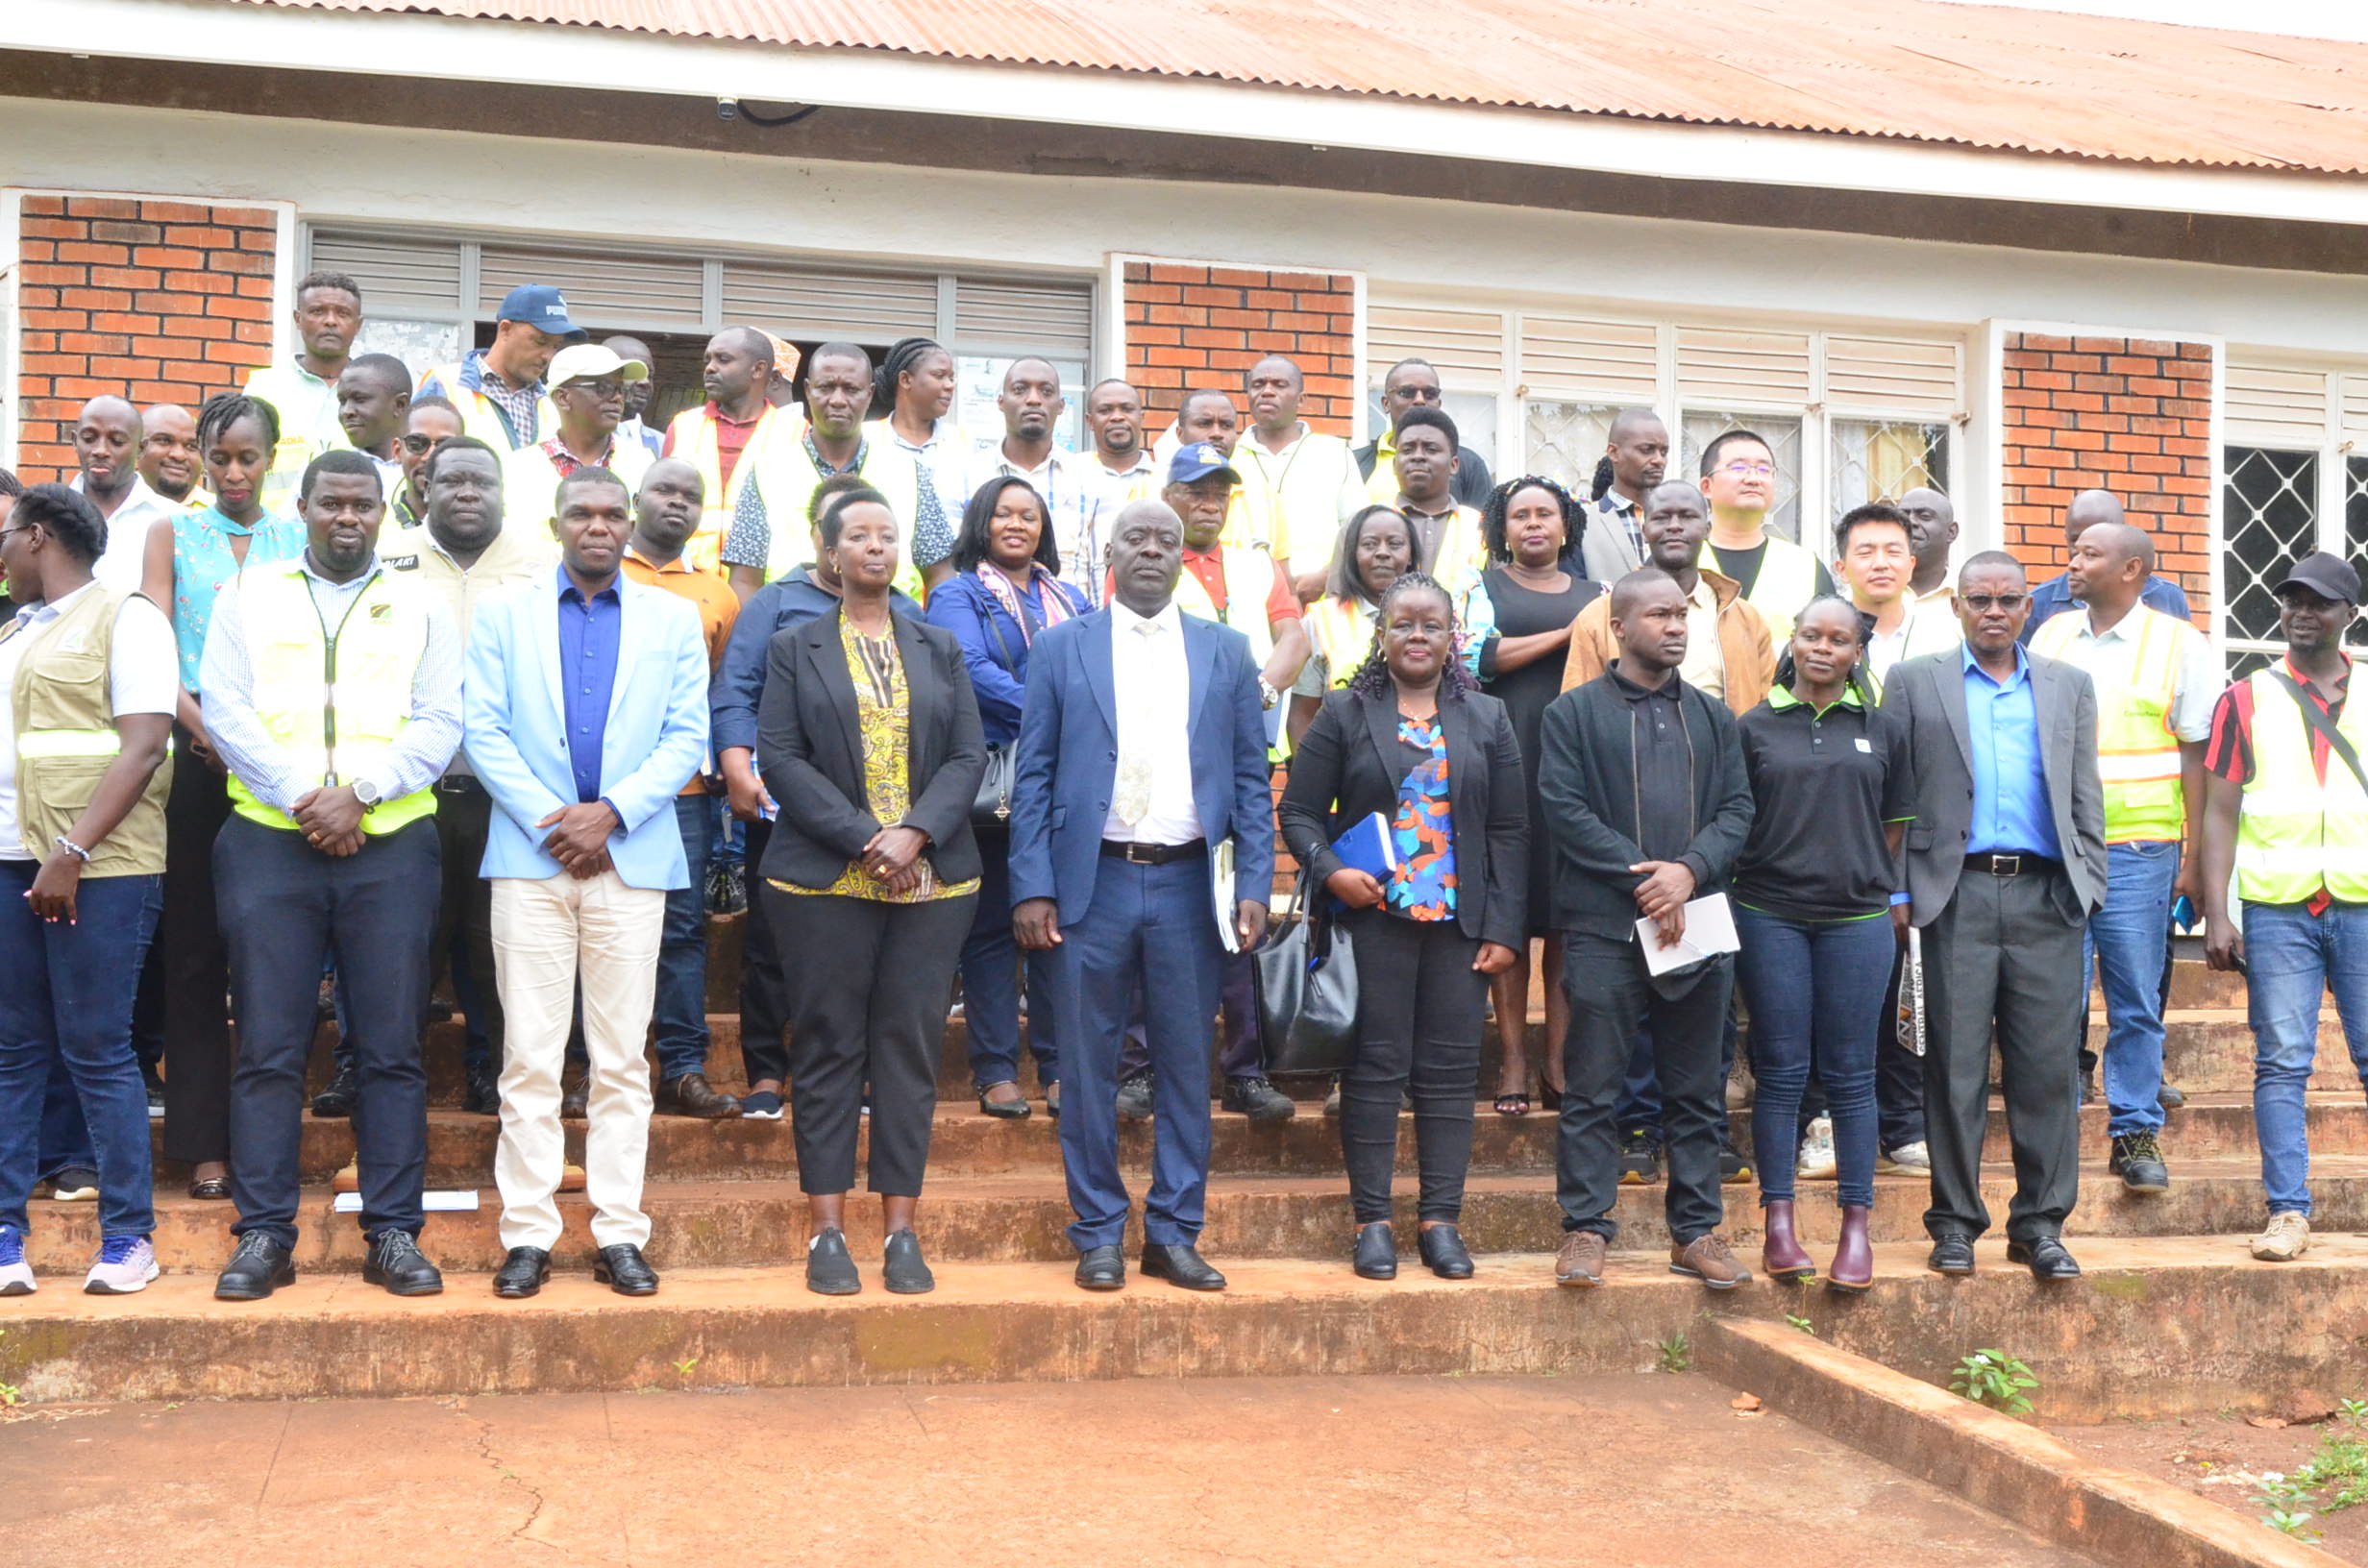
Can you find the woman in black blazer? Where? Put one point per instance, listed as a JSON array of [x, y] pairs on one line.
[[1413, 739], [867, 735]]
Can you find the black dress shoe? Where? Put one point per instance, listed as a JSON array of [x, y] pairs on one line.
[[829, 1267], [484, 1095], [1444, 1252], [901, 1264], [257, 1267], [335, 1100], [1376, 1252], [1102, 1268], [1181, 1266], [1013, 1109], [394, 1260], [2045, 1257], [624, 1271], [522, 1273], [1951, 1253]]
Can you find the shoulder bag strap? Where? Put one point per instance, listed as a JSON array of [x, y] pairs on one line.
[[2321, 727]]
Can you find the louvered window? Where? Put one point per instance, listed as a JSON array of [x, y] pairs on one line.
[[652, 293], [1467, 347], [1609, 362], [874, 309], [1724, 368], [1055, 320]]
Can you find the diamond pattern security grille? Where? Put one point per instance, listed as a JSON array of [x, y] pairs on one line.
[[1783, 434], [1565, 441], [2356, 530], [1879, 459], [2270, 505]]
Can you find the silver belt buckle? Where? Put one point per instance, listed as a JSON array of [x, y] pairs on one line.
[[1140, 853], [2005, 864]]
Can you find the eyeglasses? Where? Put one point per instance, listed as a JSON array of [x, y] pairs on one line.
[[417, 443], [598, 389], [7, 534], [1984, 604], [1743, 470]]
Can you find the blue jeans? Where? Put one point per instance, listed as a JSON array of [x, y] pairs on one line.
[[2291, 961], [65, 1136], [991, 968], [679, 1008], [68, 997], [1832, 1019], [2127, 938]]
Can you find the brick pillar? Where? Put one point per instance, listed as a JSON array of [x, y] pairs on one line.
[[2128, 415], [158, 301], [1190, 326]]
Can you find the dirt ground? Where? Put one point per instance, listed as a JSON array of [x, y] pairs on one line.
[[2223, 1458], [1643, 1470]]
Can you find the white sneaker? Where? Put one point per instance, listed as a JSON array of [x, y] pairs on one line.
[[1907, 1159], [74, 1185], [1817, 1161], [16, 1274], [125, 1267], [2287, 1237]]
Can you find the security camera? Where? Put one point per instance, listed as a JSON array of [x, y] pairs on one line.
[[727, 108]]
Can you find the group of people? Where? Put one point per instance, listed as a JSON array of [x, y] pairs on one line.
[[356, 680]]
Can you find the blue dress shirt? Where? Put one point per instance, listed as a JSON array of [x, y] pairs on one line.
[[589, 637], [2010, 815], [2054, 598]]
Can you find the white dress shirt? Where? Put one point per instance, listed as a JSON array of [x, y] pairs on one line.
[[143, 677], [124, 561], [1151, 684]]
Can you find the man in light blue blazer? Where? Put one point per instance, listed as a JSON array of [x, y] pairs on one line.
[[585, 712], [1142, 751]]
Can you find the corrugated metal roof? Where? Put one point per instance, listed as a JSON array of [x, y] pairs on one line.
[[1923, 70]]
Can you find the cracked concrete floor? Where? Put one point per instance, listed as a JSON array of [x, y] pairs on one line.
[[1308, 1471]]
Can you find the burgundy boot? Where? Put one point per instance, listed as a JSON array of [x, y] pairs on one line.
[[1780, 1251], [1854, 1257]]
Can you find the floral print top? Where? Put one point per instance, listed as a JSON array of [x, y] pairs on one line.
[[202, 566], [1422, 888]]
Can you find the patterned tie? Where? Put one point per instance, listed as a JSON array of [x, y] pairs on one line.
[[1134, 782]]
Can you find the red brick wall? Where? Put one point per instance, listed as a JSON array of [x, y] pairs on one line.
[[1194, 326], [2128, 415], [161, 302]]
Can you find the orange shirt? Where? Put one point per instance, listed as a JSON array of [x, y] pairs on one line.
[[718, 608]]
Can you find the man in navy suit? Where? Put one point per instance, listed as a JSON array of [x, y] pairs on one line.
[[1142, 751]]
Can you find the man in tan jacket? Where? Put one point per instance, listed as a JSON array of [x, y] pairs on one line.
[[1729, 651]]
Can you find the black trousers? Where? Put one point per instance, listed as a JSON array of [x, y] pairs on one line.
[[1610, 999], [868, 1005], [198, 1055], [1421, 1007], [764, 965], [463, 815], [285, 907]]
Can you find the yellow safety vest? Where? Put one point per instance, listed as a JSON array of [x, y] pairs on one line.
[[691, 437], [67, 741], [308, 410], [1342, 630], [2137, 750], [531, 482], [1786, 582], [2295, 835], [785, 478], [1462, 555], [333, 697], [483, 419], [1250, 579]]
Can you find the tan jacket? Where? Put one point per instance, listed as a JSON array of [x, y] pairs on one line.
[[1743, 639]]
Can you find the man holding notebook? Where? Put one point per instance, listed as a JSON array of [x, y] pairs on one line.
[[1647, 807]]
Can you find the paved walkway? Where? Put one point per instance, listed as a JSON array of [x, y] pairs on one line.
[[1643, 1470]]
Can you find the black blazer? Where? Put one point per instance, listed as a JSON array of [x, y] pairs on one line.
[[1348, 766], [809, 748]]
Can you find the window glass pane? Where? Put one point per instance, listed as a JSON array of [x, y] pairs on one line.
[[1783, 434], [421, 344], [1881, 459], [1565, 441], [2270, 509], [1474, 414]]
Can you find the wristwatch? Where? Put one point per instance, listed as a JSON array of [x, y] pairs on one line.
[[366, 790], [1268, 696]]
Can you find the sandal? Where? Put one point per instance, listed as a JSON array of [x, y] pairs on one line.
[[1512, 1105]]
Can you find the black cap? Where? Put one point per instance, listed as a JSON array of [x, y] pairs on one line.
[[2328, 576]]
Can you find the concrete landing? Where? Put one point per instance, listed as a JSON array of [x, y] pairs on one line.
[[1642, 1470]]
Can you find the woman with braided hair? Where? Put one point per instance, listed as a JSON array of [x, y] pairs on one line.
[[913, 392], [1412, 740]]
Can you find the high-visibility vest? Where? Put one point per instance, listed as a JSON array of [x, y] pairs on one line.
[[531, 482], [691, 436], [786, 478], [483, 419], [1343, 631], [1249, 581], [2294, 834], [1786, 582], [1463, 555], [66, 740], [2137, 750], [334, 698], [309, 426]]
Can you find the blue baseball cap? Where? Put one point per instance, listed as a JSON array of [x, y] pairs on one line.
[[1199, 461], [540, 306]]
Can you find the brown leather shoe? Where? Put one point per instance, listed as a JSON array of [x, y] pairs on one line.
[[1580, 1263], [692, 1095], [1709, 1260]]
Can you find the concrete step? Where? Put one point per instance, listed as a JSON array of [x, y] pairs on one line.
[[2209, 1051], [1022, 1216], [2145, 1303]]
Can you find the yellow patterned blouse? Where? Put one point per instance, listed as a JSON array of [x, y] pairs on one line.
[[884, 715]]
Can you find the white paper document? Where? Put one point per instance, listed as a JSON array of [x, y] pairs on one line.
[[1710, 930], [1221, 894], [435, 1203]]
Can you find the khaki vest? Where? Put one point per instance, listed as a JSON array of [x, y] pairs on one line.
[[67, 741]]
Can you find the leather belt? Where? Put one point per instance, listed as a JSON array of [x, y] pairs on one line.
[[1152, 854], [2012, 865]]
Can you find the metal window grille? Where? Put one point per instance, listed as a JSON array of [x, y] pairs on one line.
[[2270, 505], [1883, 460], [1783, 434], [1565, 441]]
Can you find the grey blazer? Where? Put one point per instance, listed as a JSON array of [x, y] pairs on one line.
[[1930, 694], [1605, 551]]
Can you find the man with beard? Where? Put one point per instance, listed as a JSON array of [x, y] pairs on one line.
[[107, 440]]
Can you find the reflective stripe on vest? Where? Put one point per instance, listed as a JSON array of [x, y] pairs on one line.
[[70, 742], [692, 436], [333, 697], [1250, 580], [62, 704], [2294, 834], [785, 479], [2138, 751], [1342, 630]]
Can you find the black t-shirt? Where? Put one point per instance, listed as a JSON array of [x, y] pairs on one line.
[[1744, 566], [1823, 785]]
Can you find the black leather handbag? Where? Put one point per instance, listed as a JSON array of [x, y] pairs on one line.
[[991, 808], [1307, 991]]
